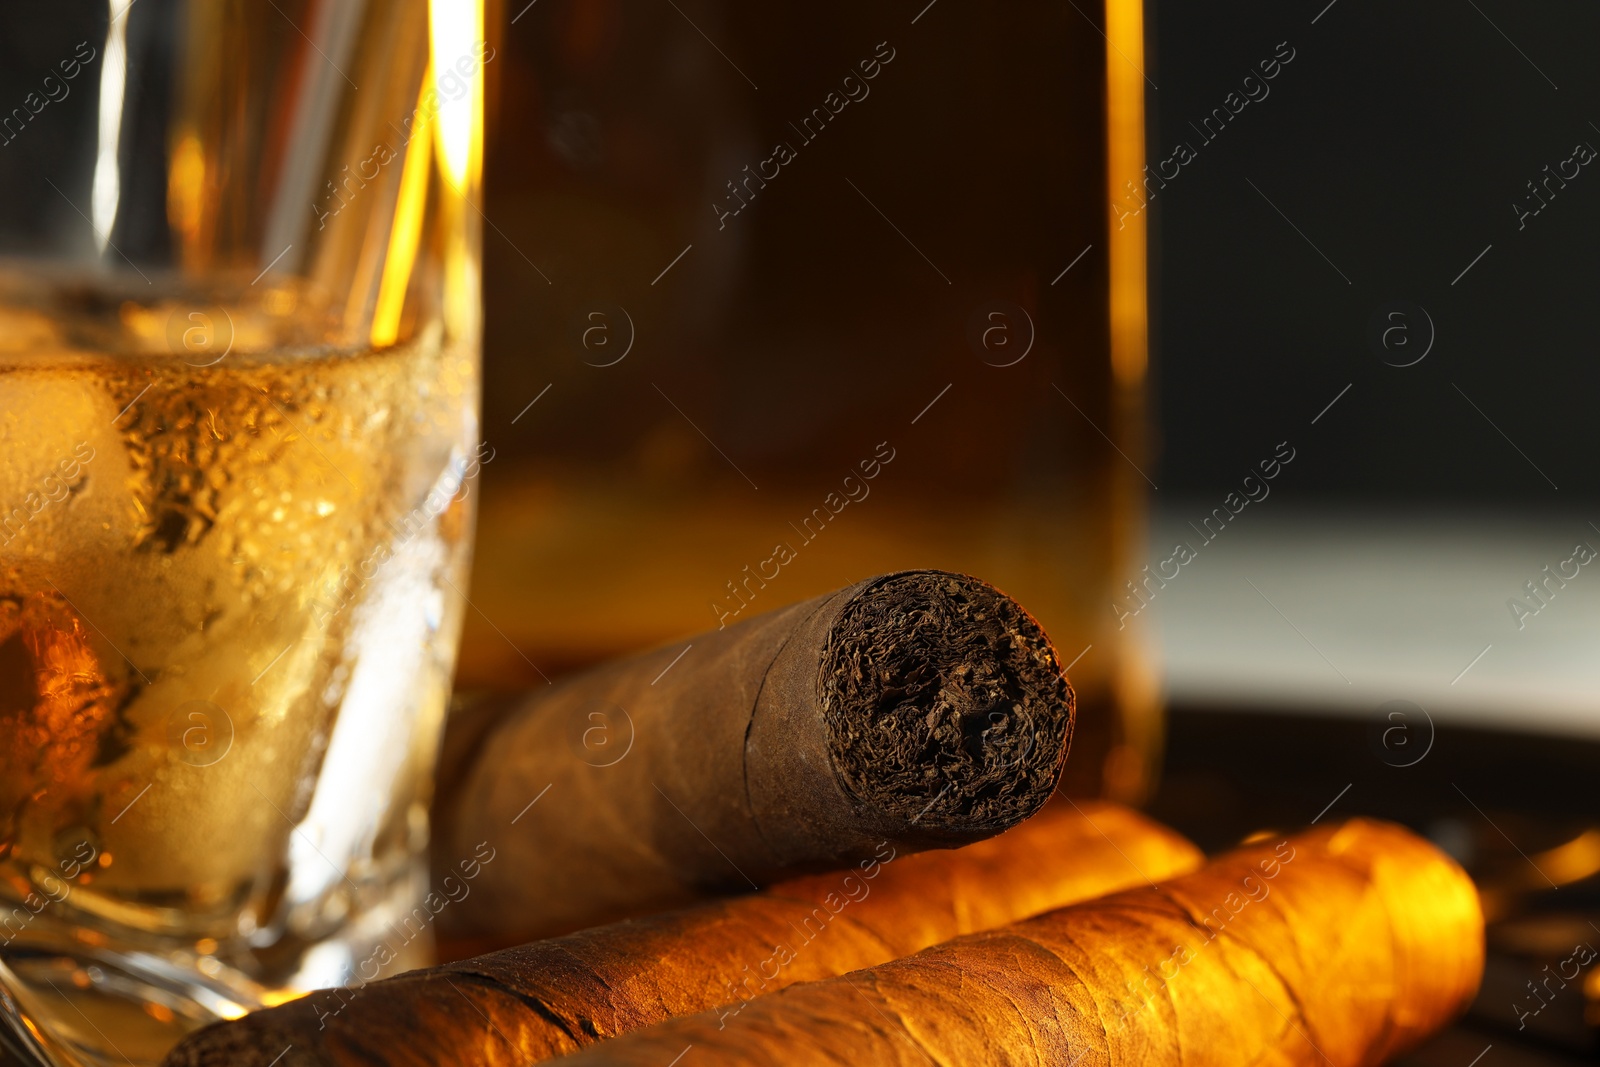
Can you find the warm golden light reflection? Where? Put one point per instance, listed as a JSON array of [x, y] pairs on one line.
[[186, 187], [455, 31], [274, 997], [405, 235], [1566, 863], [1124, 163], [1573, 861], [456, 35], [462, 281], [1130, 766]]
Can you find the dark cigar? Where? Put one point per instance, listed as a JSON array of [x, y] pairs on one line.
[[916, 710]]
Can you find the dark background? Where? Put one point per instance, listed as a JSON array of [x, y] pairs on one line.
[[1397, 140]]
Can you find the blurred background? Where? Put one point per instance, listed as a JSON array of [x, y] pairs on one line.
[[1396, 149]]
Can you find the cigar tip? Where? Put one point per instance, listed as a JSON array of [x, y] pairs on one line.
[[945, 703]]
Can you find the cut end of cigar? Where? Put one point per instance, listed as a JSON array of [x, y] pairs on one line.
[[945, 703]]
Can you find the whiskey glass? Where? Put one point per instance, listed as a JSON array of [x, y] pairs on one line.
[[239, 349]]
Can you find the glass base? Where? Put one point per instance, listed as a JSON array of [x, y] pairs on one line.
[[67, 1002], [92, 1008]]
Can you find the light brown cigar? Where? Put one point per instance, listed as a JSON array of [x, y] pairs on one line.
[[1337, 948], [923, 709], [528, 1004]]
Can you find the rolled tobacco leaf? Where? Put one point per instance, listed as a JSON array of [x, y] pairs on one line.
[[909, 711], [1337, 948], [533, 1003]]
